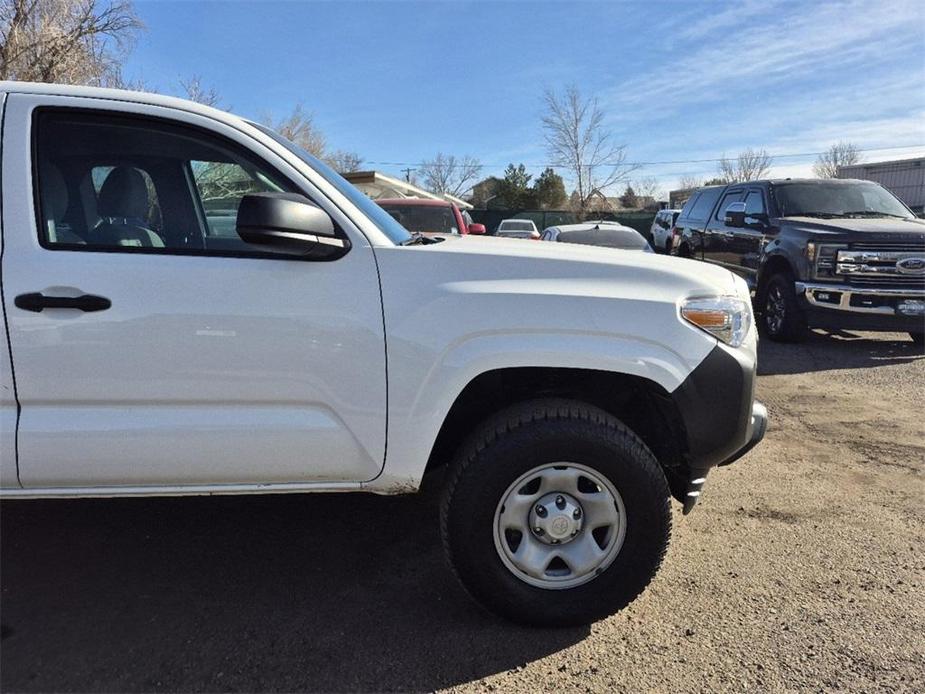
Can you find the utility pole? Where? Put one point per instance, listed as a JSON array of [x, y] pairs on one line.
[[407, 174]]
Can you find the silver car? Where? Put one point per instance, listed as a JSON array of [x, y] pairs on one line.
[[517, 229], [607, 234]]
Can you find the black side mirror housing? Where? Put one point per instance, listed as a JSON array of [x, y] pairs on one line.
[[289, 223], [734, 216]]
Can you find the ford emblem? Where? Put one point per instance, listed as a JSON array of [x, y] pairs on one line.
[[911, 266]]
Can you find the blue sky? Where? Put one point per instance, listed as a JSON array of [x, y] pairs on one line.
[[400, 81]]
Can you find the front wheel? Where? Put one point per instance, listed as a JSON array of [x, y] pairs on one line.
[[782, 319], [555, 514]]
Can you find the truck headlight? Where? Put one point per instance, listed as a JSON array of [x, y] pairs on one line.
[[725, 317]]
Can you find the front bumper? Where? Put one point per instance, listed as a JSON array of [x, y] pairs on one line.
[[862, 308], [759, 426], [722, 421]]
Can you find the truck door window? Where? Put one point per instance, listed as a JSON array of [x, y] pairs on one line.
[[729, 198], [222, 186], [132, 184], [704, 205], [754, 202], [152, 216]]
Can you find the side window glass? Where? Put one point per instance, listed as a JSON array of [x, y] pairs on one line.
[[222, 186], [704, 204], [728, 199], [688, 209], [150, 216], [116, 182], [754, 202]]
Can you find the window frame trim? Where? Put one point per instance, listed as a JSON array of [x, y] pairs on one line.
[[113, 114]]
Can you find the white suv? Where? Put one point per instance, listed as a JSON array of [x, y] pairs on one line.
[[151, 348], [660, 231]]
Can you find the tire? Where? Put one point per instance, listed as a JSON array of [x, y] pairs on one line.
[[782, 319], [585, 441], [918, 338]]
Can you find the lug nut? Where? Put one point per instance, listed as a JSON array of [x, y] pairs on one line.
[[538, 530], [560, 502], [576, 514], [540, 511]]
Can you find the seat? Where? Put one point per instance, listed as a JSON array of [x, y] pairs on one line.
[[123, 204], [54, 199]]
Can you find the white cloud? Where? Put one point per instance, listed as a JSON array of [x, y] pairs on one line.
[[797, 40]]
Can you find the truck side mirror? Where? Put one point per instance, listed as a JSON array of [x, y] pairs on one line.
[[734, 216], [289, 223], [477, 229]]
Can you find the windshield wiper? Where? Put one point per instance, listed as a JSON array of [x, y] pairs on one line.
[[871, 213], [418, 239], [415, 239], [822, 215]]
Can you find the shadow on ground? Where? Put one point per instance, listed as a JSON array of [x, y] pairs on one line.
[[317, 592], [825, 351]]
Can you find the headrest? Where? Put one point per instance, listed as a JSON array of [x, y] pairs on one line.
[[124, 194], [53, 193]]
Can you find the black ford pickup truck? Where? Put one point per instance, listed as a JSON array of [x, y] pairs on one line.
[[828, 253]]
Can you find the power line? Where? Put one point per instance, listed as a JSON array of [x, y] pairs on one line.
[[792, 155]]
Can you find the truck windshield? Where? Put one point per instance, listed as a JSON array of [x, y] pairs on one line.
[[382, 219], [837, 199]]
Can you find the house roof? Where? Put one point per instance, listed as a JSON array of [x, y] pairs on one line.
[[378, 185]]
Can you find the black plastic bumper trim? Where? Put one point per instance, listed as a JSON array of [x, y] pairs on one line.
[[715, 403]]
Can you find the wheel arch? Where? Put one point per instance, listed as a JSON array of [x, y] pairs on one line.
[[773, 265], [640, 403]]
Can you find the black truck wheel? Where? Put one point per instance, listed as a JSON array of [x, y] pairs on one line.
[[782, 319], [555, 514]]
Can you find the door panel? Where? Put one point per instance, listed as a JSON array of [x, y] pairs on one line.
[[8, 408], [205, 369], [719, 239], [748, 241]]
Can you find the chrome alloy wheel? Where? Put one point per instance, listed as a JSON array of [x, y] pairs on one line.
[[775, 310], [559, 525]]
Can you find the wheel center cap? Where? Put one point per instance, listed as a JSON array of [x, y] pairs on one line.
[[560, 527], [556, 518]]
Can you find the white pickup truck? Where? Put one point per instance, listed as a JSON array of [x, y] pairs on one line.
[[193, 305]]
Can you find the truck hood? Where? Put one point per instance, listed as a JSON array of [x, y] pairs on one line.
[[882, 228], [549, 264]]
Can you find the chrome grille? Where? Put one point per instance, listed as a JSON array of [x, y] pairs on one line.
[[889, 264]]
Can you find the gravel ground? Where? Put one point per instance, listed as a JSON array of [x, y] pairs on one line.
[[803, 568]]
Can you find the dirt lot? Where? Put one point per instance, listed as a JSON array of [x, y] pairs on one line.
[[803, 568]]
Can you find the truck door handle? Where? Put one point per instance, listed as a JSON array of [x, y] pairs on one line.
[[37, 302]]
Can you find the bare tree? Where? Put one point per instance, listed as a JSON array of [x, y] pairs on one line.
[[447, 174], [66, 41], [344, 162], [840, 154], [299, 127], [647, 187], [750, 165], [689, 182], [577, 140], [198, 92]]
